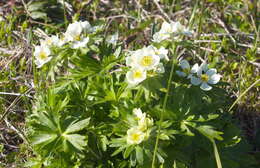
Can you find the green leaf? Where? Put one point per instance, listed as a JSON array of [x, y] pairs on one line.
[[40, 138], [74, 127], [36, 6], [209, 132], [139, 154], [38, 15], [118, 150], [78, 141], [128, 150]]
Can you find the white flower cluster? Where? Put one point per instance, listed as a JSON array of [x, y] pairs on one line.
[[141, 132], [75, 35], [199, 75], [143, 60], [171, 30]]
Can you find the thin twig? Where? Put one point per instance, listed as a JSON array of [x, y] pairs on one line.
[[16, 100], [161, 10]]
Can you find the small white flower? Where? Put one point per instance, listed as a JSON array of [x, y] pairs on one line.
[[51, 41], [85, 26], [187, 71], [205, 77], [135, 136], [80, 44], [41, 54], [138, 113], [143, 122], [172, 29], [162, 53], [160, 36], [112, 39], [147, 59], [135, 76], [73, 32]]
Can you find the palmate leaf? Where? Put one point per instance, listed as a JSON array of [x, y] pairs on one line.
[[77, 126], [209, 132], [48, 133], [43, 137], [78, 141]]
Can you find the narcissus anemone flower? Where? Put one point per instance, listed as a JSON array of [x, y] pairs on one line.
[[135, 136], [135, 76], [143, 122], [144, 58], [51, 41], [187, 71], [168, 30], [138, 113], [79, 44], [205, 77], [161, 52], [41, 54], [74, 33]]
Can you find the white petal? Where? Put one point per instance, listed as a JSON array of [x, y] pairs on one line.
[[195, 81], [211, 72], [79, 44], [85, 25], [134, 81], [184, 64], [194, 68], [163, 53], [203, 68], [180, 73], [214, 79], [205, 86]]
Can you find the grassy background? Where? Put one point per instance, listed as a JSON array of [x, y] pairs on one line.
[[227, 34]]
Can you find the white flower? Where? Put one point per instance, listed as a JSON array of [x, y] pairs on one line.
[[135, 76], [62, 40], [143, 122], [73, 32], [187, 71], [144, 58], [160, 36], [172, 29], [80, 44], [51, 41], [205, 77], [112, 39], [41, 54], [162, 53], [138, 113], [134, 136], [85, 25]]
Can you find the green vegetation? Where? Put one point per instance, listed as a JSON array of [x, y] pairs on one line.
[[79, 109]]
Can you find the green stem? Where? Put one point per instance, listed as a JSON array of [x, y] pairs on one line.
[[164, 107]]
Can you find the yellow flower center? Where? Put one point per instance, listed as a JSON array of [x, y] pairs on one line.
[[42, 55], [204, 77], [146, 61], [137, 74], [77, 38], [135, 137], [49, 41]]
